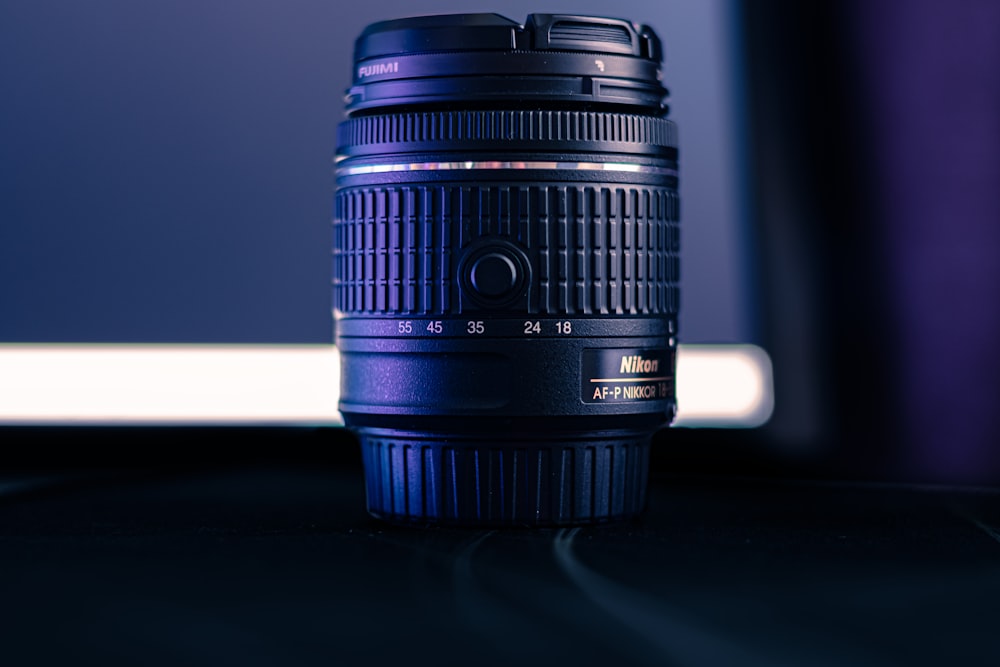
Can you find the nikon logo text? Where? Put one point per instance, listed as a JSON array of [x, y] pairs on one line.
[[636, 364], [379, 68]]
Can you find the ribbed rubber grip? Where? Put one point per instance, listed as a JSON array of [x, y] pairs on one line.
[[557, 482], [594, 249]]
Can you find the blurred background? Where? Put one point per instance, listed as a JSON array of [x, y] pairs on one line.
[[167, 173], [165, 176]]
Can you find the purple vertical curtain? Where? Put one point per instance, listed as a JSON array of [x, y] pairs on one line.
[[932, 83]]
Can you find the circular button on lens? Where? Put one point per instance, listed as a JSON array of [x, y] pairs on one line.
[[493, 275]]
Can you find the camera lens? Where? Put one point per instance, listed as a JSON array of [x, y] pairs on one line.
[[505, 267]]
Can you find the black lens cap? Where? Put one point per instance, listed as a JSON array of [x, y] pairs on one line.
[[490, 61], [492, 32], [448, 32]]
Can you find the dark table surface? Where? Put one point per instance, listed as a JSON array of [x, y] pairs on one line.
[[277, 563]]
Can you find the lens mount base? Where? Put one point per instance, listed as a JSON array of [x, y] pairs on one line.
[[573, 479]]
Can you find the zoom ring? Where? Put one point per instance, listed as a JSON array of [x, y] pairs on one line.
[[596, 249], [439, 130], [542, 483]]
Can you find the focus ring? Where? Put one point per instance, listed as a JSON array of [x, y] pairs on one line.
[[571, 130], [595, 249]]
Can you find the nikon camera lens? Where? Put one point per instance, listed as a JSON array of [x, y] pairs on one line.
[[505, 267]]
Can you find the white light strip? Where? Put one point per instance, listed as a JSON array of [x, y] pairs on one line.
[[289, 384], [723, 385], [224, 384], [494, 164]]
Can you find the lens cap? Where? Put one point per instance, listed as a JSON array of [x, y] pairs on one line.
[[585, 62], [492, 32]]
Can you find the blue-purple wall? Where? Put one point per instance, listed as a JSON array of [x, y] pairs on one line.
[[165, 167]]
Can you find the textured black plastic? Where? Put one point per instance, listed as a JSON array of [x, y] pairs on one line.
[[448, 131], [585, 479], [594, 249]]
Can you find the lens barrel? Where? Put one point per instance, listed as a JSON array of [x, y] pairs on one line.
[[505, 267]]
